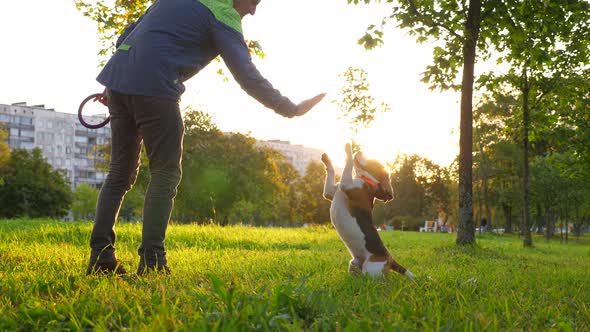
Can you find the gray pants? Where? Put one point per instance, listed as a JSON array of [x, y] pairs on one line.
[[158, 123]]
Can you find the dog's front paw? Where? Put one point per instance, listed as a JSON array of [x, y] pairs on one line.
[[326, 160], [348, 151]]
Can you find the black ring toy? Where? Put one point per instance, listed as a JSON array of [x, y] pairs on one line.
[[86, 124]]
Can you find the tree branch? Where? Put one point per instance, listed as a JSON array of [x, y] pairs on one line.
[[431, 23]]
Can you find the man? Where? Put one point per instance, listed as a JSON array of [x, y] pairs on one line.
[[170, 43]]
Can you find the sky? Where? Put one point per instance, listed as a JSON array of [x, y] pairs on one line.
[[49, 56]]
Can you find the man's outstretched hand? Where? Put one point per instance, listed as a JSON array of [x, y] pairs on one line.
[[304, 106]]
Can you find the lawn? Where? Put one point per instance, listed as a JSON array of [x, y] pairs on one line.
[[243, 278]]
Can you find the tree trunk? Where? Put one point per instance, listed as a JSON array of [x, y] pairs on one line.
[[578, 229], [561, 229], [485, 179], [507, 218], [466, 229], [478, 214], [567, 219], [526, 228], [551, 218], [487, 205], [540, 219]]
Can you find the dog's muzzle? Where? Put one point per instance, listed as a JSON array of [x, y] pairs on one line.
[[383, 194]]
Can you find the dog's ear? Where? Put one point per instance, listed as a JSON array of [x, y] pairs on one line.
[[360, 159]]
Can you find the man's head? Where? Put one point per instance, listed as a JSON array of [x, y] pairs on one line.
[[245, 7]]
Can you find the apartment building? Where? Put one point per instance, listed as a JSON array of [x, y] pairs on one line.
[[298, 155], [65, 143]]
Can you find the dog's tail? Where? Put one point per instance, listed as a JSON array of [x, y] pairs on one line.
[[395, 266]]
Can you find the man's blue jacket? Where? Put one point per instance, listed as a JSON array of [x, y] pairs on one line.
[[172, 42]]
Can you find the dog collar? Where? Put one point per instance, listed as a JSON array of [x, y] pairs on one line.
[[368, 181]]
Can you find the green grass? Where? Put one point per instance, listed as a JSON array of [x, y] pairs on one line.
[[239, 278]]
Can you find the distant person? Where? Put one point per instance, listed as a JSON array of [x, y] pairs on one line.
[[169, 44], [483, 224]]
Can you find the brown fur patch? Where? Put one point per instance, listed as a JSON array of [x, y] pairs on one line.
[[359, 198], [375, 168], [395, 266], [378, 258]]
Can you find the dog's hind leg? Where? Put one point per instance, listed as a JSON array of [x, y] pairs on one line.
[[395, 266], [329, 186], [355, 266]]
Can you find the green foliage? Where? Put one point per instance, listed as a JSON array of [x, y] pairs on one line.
[[227, 179], [460, 31], [32, 188], [356, 105], [498, 160], [111, 19], [410, 195], [222, 171], [245, 278], [545, 43], [84, 204], [283, 208], [448, 23], [422, 191], [558, 169], [313, 207], [132, 207], [4, 153]]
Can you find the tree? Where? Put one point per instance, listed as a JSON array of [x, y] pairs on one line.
[[282, 207], [223, 172], [547, 183], [279, 209], [437, 184], [459, 26], [313, 208], [543, 42], [84, 203], [556, 164], [4, 154], [32, 188], [422, 190], [357, 106], [519, 28], [410, 195], [507, 158], [486, 132], [497, 167]]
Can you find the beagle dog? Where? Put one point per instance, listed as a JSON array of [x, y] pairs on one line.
[[351, 212]]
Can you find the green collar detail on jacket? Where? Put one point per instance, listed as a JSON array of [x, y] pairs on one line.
[[224, 11]]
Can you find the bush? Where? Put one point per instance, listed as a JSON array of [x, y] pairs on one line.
[[32, 188], [408, 223]]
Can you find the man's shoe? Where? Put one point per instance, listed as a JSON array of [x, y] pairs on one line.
[[145, 270], [114, 268]]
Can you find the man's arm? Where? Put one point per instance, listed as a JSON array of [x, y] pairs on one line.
[[235, 54], [234, 51]]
